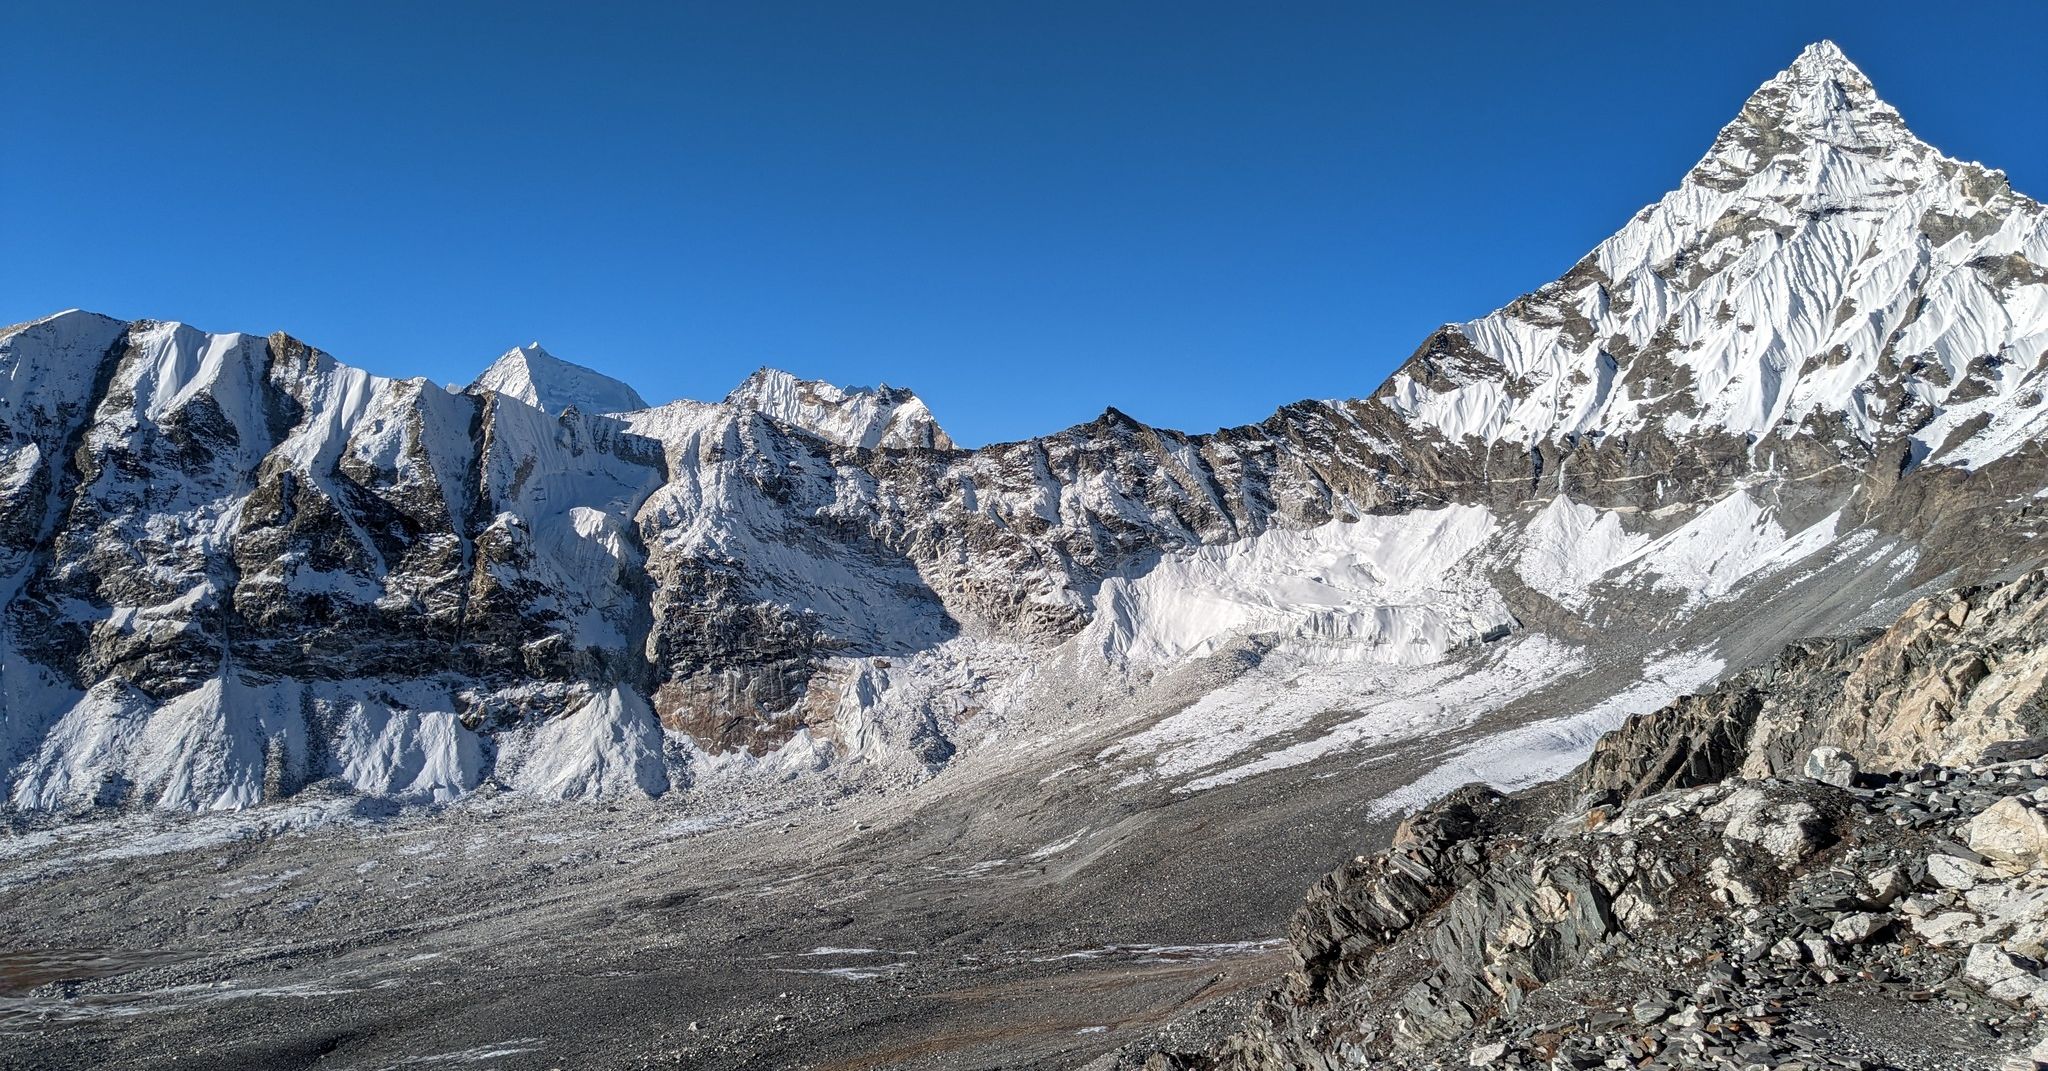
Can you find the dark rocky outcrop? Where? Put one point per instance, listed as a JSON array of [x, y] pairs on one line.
[[1690, 894]]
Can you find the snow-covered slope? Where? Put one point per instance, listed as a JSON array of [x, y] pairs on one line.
[[1799, 387], [872, 418], [1820, 272], [260, 568], [545, 381]]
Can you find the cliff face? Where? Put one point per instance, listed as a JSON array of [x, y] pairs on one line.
[[1958, 673], [236, 566]]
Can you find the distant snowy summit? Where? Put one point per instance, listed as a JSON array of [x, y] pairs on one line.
[[873, 418], [870, 418], [545, 381]]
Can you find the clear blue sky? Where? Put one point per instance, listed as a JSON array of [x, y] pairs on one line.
[[1027, 211]]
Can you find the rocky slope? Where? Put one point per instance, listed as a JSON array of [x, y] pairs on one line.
[[1798, 389], [1710, 890]]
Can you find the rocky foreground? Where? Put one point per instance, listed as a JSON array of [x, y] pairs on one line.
[[1699, 895]]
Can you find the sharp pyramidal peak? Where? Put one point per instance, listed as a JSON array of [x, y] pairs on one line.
[[538, 378], [1821, 275]]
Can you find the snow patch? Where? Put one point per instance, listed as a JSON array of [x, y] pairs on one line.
[[1390, 589], [1549, 749], [1311, 711], [608, 746], [1567, 546], [1735, 540]]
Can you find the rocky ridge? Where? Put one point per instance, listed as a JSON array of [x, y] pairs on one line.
[[871, 418], [1691, 897]]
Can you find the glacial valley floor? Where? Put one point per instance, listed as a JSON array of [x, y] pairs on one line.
[[1017, 925]]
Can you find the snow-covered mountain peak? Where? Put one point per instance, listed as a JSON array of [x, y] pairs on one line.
[[1823, 51], [1821, 273], [1819, 105], [871, 418], [533, 375], [1822, 63]]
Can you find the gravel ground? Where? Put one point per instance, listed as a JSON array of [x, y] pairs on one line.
[[866, 931]]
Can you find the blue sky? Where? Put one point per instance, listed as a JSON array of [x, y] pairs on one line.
[[1026, 211]]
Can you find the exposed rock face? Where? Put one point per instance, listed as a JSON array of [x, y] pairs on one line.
[[258, 567], [871, 418], [234, 567], [1672, 913], [1958, 673], [1690, 940]]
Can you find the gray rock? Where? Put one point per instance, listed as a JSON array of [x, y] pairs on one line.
[[1950, 872], [1888, 884], [1832, 766], [2015, 750], [1858, 927], [2012, 835]]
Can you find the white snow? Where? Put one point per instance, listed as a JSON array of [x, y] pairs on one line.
[[1402, 705], [540, 379], [1568, 546], [1395, 589], [1546, 750], [609, 745], [1733, 541], [1782, 288], [867, 417], [408, 754], [210, 748]]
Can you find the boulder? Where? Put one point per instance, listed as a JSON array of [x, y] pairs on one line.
[[2004, 976], [2011, 835], [2030, 939], [1887, 885], [1729, 886], [1832, 766], [1950, 872], [1857, 927], [1788, 830], [1949, 929]]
